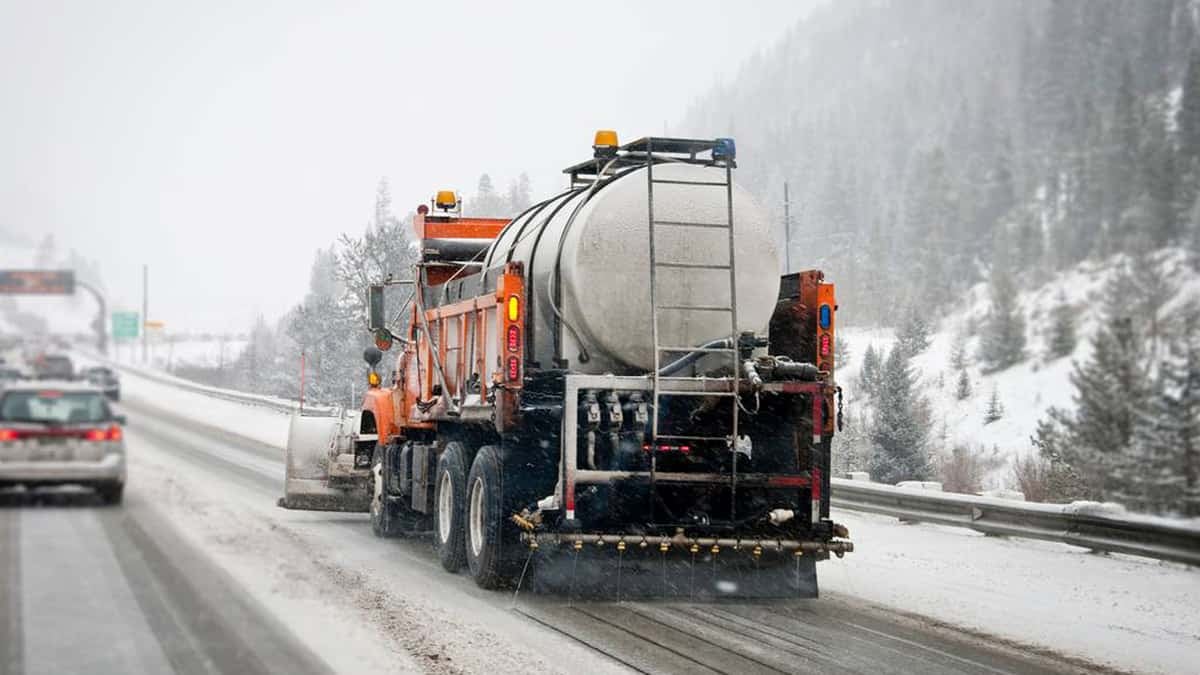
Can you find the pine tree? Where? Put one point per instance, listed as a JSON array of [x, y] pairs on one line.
[[913, 334], [1062, 329], [1122, 147], [1003, 340], [963, 391], [841, 351], [520, 194], [1165, 451], [1188, 115], [870, 374], [1109, 388], [958, 351], [995, 410], [900, 428]]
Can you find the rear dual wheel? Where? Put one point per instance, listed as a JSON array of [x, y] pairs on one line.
[[493, 547]]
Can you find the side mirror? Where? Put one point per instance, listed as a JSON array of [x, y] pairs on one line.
[[119, 419], [375, 308]]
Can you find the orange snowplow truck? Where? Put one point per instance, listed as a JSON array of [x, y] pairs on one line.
[[600, 394]]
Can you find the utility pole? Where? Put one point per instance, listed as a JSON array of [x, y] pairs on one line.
[[145, 308], [787, 231]]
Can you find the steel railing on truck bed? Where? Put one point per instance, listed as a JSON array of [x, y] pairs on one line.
[[1084, 524]]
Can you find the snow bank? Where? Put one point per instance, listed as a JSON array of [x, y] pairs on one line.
[[256, 422], [1126, 612], [1026, 390]]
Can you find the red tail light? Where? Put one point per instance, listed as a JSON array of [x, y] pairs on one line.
[[514, 338], [112, 433], [7, 435], [514, 369]]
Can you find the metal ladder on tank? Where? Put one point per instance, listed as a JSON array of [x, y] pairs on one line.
[[662, 384]]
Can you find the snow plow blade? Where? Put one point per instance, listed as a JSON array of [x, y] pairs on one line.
[[320, 466], [598, 572]]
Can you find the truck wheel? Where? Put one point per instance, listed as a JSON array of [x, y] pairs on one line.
[[383, 512], [448, 500], [493, 545]]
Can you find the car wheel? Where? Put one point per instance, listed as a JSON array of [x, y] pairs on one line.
[[449, 510], [111, 493]]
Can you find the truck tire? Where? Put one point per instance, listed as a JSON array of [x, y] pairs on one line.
[[384, 516], [492, 542], [449, 501]]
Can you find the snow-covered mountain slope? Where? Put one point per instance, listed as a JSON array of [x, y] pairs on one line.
[[1025, 390]]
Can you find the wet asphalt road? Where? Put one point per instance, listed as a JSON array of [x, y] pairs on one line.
[[95, 589]]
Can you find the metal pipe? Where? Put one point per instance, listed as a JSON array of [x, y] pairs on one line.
[[685, 361], [837, 547]]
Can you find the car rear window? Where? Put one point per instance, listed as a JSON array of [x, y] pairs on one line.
[[54, 407]]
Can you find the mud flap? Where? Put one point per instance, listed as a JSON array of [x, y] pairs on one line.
[[317, 477], [595, 572]]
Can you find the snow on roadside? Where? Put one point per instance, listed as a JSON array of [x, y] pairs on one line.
[[1125, 612], [254, 422], [1027, 390]]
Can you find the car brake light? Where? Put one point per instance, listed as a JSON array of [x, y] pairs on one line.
[[112, 433], [7, 435], [49, 394]]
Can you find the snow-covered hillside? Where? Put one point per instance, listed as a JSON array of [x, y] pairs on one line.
[[1025, 390]]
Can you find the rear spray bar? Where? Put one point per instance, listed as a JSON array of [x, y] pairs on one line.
[[693, 544]]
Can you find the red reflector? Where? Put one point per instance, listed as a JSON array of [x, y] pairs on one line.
[[514, 368], [825, 344], [667, 448], [788, 481], [816, 484], [8, 435], [514, 338]]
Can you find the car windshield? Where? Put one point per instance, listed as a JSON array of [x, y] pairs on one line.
[[54, 407]]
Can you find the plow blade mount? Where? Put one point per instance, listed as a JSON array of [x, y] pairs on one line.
[[604, 573], [319, 461]]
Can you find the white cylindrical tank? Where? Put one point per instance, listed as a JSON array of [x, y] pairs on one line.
[[587, 261]]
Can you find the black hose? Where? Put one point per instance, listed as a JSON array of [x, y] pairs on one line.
[[685, 361]]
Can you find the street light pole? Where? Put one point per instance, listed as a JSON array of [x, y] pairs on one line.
[[787, 231]]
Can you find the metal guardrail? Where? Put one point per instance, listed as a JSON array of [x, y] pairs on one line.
[[281, 405], [1086, 524]]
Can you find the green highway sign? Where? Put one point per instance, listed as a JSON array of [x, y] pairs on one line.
[[124, 325]]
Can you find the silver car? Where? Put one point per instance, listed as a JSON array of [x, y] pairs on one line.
[[61, 433]]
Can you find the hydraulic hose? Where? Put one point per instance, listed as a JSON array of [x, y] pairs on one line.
[[685, 361]]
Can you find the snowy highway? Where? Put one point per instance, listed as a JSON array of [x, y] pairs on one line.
[[270, 580]]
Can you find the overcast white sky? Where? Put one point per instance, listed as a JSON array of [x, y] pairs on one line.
[[223, 143]]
